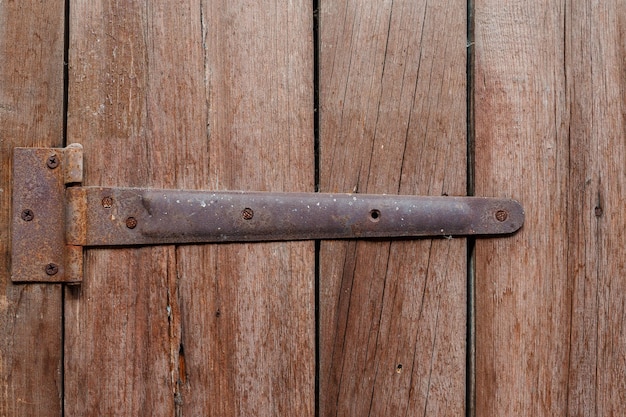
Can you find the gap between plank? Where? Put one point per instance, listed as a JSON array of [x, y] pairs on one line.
[[66, 77], [316, 152], [470, 348]]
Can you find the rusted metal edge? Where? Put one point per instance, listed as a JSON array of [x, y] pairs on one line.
[[39, 252], [142, 216], [54, 217]]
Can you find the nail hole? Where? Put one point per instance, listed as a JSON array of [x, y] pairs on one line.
[[399, 368], [375, 215]]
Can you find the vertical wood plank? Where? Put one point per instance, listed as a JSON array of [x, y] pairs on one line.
[[595, 46], [393, 120], [136, 95], [248, 314], [31, 114], [522, 294], [550, 131], [203, 94]]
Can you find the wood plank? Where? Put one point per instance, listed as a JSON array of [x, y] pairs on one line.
[[201, 95], [131, 111], [248, 309], [522, 295], [31, 114], [595, 47], [392, 102], [550, 131]]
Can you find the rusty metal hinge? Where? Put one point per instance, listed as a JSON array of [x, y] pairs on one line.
[[54, 217]]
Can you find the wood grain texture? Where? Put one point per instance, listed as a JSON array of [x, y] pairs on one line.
[[129, 109], [393, 120], [31, 114], [248, 313], [209, 94], [550, 131]]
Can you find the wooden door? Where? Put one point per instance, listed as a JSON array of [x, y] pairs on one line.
[[494, 98]]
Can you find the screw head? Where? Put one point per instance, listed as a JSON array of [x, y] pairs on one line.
[[131, 222], [107, 202], [247, 213], [52, 162], [52, 269], [501, 215], [27, 215]]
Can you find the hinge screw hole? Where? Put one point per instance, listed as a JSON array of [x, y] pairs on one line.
[[375, 215]]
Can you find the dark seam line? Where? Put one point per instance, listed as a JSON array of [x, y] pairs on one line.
[[316, 179], [471, 242]]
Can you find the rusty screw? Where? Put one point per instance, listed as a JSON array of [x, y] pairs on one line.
[[52, 269], [53, 162], [131, 222], [247, 213], [501, 215], [107, 202], [27, 215]]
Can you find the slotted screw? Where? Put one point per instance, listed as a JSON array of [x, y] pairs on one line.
[[53, 162], [247, 213], [27, 215]]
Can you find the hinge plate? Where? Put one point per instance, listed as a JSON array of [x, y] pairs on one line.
[[54, 217], [39, 252]]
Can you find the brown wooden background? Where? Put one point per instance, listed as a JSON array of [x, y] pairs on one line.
[[499, 98]]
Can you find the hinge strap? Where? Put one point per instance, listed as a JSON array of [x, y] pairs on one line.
[[63, 217]]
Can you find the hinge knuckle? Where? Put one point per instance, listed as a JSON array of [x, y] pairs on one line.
[[73, 163], [76, 215]]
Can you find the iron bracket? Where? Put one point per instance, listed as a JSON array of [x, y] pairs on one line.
[[54, 217]]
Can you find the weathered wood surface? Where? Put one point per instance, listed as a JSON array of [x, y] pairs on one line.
[[248, 313], [211, 94], [31, 114], [393, 120], [550, 130]]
